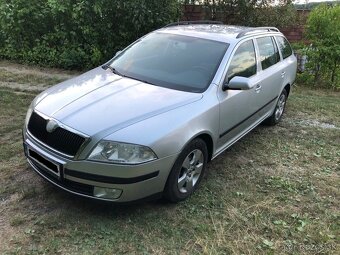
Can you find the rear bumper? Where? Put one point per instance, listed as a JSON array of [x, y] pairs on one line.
[[80, 177]]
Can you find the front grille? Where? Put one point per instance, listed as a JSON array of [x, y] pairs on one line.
[[60, 139], [67, 184]]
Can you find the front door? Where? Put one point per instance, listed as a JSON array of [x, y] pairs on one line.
[[237, 106]]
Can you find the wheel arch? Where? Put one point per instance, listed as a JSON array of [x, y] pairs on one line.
[[287, 88], [207, 138]]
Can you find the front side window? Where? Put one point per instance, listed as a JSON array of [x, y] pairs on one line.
[[243, 62], [172, 61], [284, 46], [269, 55]]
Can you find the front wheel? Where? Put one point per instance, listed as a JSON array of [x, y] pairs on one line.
[[279, 110], [187, 171]]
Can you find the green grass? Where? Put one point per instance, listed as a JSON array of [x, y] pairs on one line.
[[274, 192]]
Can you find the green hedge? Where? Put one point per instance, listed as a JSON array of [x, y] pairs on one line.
[[74, 33], [323, 54]]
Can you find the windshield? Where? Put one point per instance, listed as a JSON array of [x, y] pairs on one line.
[[172, 61]]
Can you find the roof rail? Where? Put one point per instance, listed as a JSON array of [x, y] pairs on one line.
[[196, 22], [257, 29]]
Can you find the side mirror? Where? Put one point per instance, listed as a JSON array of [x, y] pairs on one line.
[[238, 83]]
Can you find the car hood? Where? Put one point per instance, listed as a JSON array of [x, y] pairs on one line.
[[100, 101]]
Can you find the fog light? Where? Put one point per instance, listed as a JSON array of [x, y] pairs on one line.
[[107, 193]]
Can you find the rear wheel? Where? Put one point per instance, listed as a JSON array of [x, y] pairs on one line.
[[187, 171], [279, 110]]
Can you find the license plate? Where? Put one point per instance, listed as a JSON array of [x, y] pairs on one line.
[[44, 163]]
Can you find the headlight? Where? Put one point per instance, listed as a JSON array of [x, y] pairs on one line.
[[28, 114], [122, 153]]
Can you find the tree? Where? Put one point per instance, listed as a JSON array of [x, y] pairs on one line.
[[323, 33]]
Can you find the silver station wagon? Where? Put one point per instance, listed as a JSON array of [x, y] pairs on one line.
[[145, 124]]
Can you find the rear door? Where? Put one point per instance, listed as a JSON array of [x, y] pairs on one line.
[[288, 59], [271, 74]]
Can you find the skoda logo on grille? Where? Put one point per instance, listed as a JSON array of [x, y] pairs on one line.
[[51, 126]]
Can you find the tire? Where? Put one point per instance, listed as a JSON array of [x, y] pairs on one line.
[[279, 110], [187, 171]]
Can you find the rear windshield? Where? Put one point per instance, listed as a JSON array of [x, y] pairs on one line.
[[173, 61]]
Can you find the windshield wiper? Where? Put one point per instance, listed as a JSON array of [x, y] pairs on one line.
[[113, 70], [105, 67], [147, 82]]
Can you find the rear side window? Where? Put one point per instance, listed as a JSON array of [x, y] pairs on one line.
[[243, 62], [284, 46], [269, 54]]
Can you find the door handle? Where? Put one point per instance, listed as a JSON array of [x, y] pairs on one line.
[[283, 74], [258, 88]]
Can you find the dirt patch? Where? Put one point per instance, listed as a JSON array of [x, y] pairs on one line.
[[312, 123], [39, 71], [23, 87], [30, 79]]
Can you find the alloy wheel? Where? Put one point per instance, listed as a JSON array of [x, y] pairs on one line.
[[280, 106], [190, 171]]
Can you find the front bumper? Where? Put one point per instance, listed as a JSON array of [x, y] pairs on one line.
[[80, 177]]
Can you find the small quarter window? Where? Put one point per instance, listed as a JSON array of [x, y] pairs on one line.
[[269, 54], [243, 62], [284, 46]]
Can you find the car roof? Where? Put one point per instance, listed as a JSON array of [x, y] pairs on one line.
[[217, 32]]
